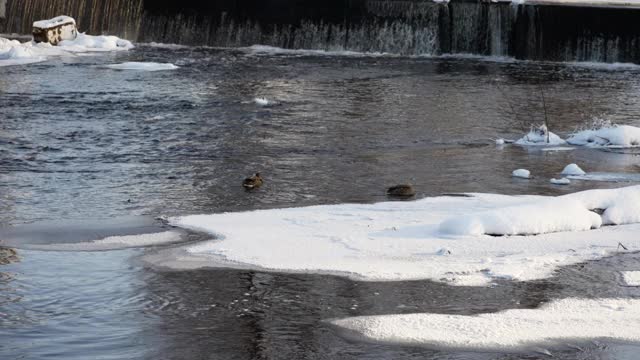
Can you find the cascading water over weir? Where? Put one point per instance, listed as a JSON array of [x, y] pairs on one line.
[[536, 31]]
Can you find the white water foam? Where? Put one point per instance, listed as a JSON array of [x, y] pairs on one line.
[[142, 66]]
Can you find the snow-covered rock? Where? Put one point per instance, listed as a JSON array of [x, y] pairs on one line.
[[561, 321], [562, 181], [573, 169], [15, 53], [607, 136], [500, 141], [55, 30], [540, 136], [521, 173]]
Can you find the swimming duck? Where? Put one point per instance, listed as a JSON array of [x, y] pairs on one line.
[[252, 182], [404, 190]]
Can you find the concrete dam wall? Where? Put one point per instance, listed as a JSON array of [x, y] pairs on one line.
[[408, 27]]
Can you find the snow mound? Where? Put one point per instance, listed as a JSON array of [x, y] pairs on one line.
[[116, 242], [404, 240], [631, 278], [521, 173], [142, 66], [540, 136], [573, 169], [15, 53], [558, 321], [500, 141], [552, 215], [617, 136], [563, 181]]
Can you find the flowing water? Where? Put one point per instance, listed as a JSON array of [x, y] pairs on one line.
[[88, 152]]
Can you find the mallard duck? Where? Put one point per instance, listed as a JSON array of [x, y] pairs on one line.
[[252, 182], [404, 190]]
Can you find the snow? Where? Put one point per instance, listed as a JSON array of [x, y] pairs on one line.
[[142, 66], [521, 173], [631, 278], [540, 136], [612, 136], [559, 321], [262, 101], [538, 217], [500, 141], [562, 181], [13, 52], [116, 242], [607, 177], [57, 21], [404, 240], [573, 169]]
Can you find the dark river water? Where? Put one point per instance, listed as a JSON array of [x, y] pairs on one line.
[[88, 152]]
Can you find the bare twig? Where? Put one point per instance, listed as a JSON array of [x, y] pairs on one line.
[[622, 246], [546, 117]]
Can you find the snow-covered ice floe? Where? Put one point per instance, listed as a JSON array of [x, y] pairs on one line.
[[13, 52], [559, 321], [142, 66], [116, 242], [447, 239], [631, 278], [612, 136], [261, 101], [607, 177], [540, 136]]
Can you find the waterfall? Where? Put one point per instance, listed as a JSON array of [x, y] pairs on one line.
[[406, 27]]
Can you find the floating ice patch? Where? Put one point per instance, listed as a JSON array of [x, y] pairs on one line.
[[404, 240], [540, 136], [521, 173], [116, 242], [559, 321], [500, 141], [607, 177], [573, 169], [142, 66], [631, 278], [615, 136], [562, 181]]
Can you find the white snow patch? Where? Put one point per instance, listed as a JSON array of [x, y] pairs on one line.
[[261, 101], [612, 136], [404, 240], [56, 21], [500, 141], [556, 322], [540, 135], [573, 169], [13, 52], [538, 217], [142, 66], [116, 242], [631, 278], [562, 181], [521, 173]]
